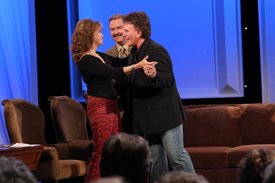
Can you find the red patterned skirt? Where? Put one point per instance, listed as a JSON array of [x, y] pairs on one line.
[[104, 118]]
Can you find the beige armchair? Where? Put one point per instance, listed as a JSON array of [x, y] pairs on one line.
[[25, 124]]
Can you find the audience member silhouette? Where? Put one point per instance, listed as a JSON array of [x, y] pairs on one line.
[[127, 156], [110, 180], [254, 164], [15, 171], [269, 173], [182, 177]]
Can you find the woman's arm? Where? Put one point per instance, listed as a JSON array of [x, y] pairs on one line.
[[91, 65], [131, 68], [115, 61]]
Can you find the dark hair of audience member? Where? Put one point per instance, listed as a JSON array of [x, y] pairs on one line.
[[127, 156], [116, 179], [182, 177], [269, 173], [15, 171], [254, 164]]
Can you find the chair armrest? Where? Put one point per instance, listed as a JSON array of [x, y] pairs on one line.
[[48, 164], [76, 149], [49, 154], [62, 149], [81, 149]]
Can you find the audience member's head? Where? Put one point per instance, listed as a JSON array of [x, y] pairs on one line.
[[14, 171], [127, 156], [269, 173], [110, 180], [254, 164], [182, 177]]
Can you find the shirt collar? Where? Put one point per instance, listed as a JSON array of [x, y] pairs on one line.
[[124, 46]]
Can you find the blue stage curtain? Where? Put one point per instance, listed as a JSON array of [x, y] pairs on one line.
[[18, 72]]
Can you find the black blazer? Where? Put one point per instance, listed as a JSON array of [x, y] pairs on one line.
[[156, 104]]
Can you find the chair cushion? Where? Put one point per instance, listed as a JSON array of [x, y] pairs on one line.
[[221, 121], [255, 117], [66, 169], [209, 157], [72, 168]]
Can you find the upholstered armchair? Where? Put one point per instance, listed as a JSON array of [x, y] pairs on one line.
[[70, 121], [69, 117], [25, 123]]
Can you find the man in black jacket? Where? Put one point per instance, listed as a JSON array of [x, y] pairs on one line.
[[156, 105]]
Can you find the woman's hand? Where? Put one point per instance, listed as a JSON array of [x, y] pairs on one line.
[[144, 62], [148, 67]]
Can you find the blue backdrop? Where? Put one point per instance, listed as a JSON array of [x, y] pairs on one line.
[[203, 38], [17, 54]]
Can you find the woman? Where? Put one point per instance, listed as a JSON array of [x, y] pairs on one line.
[[98, 70]]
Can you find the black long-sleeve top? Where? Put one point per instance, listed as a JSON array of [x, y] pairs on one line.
[[98, 75]]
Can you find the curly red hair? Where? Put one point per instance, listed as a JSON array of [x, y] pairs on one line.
[[83, 37]]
